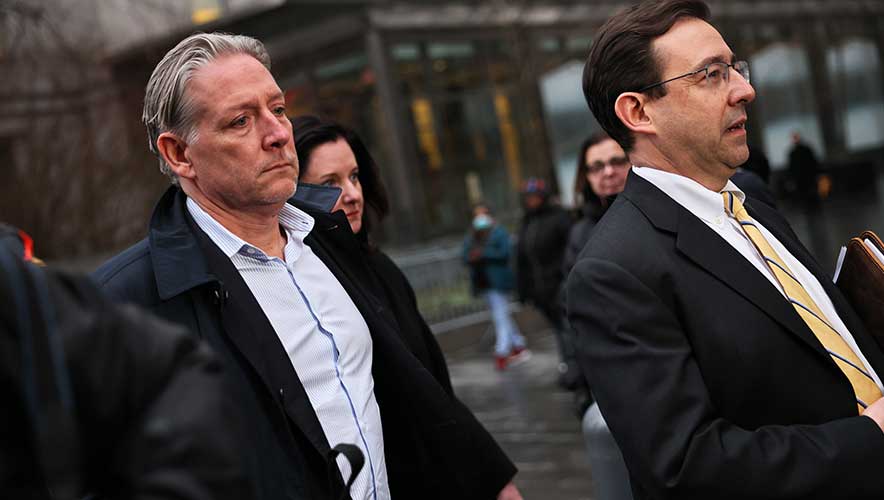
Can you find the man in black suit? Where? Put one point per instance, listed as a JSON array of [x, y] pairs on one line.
[[282, 293], [723, 358]]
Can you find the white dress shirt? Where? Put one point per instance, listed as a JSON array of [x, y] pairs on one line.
[[708, 206], [324, 335]]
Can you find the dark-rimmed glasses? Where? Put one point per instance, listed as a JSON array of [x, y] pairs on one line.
[[716, 73], [615, 162]]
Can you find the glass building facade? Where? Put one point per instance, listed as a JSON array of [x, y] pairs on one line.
[[460, 102]]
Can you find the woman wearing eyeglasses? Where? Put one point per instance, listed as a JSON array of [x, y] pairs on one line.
[[602, 167]]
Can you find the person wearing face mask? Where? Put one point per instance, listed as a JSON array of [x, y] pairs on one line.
[[486, 250], [333, 156]]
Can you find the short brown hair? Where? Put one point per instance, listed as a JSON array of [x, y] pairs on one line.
[[622, 59]]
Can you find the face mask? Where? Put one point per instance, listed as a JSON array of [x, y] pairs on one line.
[[482, 222]]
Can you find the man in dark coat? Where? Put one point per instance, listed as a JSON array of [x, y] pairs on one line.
[[284, 296], [725, 361], [804, 168]]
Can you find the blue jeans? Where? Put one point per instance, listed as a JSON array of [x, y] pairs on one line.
[[506, 330]]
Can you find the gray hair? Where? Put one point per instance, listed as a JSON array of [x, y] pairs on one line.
[[167, 107]]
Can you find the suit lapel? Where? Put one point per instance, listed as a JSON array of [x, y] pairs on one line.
[[778, 227], [711, 252]]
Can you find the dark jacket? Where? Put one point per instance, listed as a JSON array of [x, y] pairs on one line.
[[711, 383], [492, 270], [754, 187], [579, 235], [541, 248], [434, 446], [109, 384], [399, 298]]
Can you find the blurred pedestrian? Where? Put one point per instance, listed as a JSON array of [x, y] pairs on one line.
[[725, 361], [543, 237], [333, 155], [311, 357], [486, 251], [601, 175], [804, 169], [105, 401]]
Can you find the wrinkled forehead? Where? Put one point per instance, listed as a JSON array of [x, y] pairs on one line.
[[690, 44], [231, 81]]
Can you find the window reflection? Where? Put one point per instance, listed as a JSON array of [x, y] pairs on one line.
[[854, 69], [568, 121], [467, 126], [786, 101]]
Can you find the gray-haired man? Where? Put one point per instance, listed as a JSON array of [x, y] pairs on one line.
[[281, 293]]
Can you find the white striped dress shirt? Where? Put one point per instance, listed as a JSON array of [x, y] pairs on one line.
[[708, 206], [324, 335]]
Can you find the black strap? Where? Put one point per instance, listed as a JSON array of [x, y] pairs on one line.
[[353, 455]]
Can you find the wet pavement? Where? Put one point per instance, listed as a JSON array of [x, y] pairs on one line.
[[531, 418]]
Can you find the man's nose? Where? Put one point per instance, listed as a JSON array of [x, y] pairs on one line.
[[742, 92], [278, 132]]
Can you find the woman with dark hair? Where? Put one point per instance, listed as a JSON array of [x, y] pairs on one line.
[[602, 167], [333, 155]]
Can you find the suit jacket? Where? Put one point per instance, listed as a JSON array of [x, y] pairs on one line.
[[434, 446], [712, 385]]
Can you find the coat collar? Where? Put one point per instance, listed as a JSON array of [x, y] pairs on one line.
[[700, 244], [178, 262]]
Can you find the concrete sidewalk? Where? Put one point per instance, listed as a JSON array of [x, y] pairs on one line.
[[531, 418]]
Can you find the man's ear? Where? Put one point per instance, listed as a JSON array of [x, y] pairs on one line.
[[630, 108], [173, 149]]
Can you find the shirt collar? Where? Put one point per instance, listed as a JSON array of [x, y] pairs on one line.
[[296, 222], [693, 196]]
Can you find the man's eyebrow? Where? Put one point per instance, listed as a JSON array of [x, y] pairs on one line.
[[715, 59]]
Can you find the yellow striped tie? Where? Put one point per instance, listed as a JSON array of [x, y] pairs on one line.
[[864, 386]]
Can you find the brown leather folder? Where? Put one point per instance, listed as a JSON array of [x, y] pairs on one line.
[[862, 282]]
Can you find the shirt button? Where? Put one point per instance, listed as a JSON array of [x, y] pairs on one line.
[[250, 250], [718, 221]]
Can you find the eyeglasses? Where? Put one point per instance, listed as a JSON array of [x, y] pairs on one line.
[[716, 73], [615, 162]]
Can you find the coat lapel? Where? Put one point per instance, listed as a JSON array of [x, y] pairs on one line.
[[245, 323], [707, 249], [340, 251]]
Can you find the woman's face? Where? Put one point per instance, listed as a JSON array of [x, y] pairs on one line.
[[333, 164], [607, 167]]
